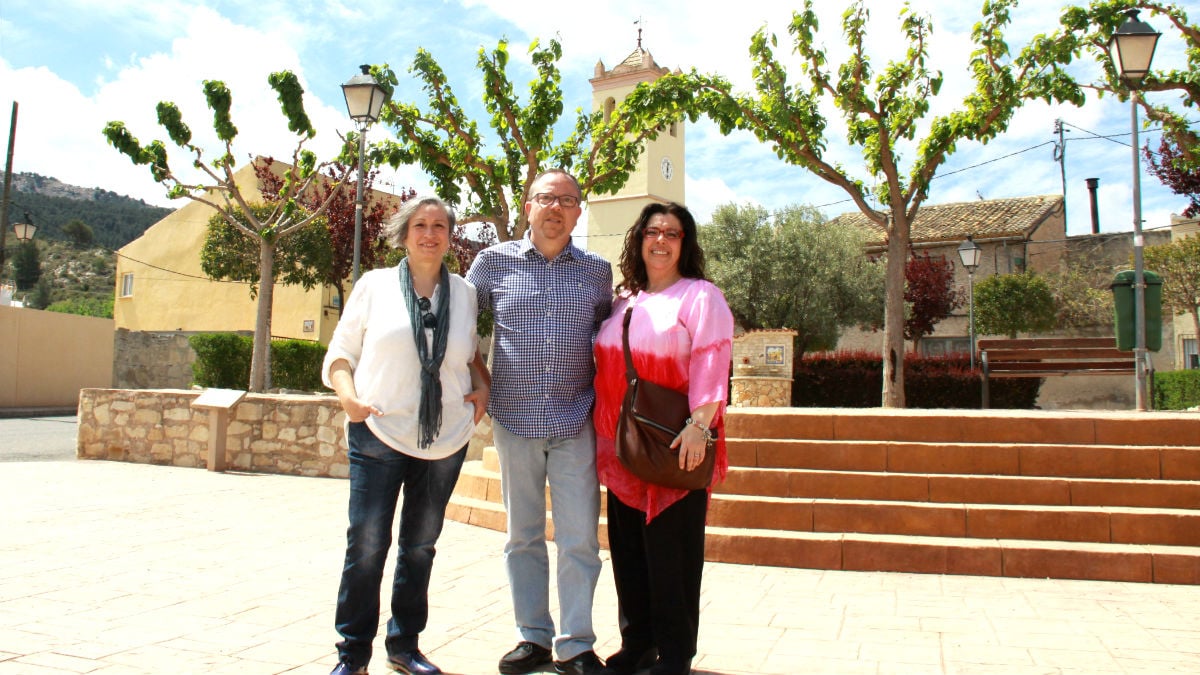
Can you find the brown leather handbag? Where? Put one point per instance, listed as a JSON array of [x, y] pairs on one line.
[[651, 417]]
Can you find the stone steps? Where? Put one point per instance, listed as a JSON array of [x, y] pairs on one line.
[[994, 493]]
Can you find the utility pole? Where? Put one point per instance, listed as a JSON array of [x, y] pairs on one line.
[[12, 137]]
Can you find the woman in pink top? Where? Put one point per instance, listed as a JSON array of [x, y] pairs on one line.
[[680, 335]]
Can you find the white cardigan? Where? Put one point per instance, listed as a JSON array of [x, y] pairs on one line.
[[375, 337]]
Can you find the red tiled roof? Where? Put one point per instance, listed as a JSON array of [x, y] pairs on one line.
[[987, 219]]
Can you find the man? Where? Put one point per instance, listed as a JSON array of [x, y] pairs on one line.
[[548, 298]]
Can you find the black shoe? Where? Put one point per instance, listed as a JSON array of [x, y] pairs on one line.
[[412, 662], [582, 664], [672, 667], [344, 668], [524, 658], [628, 662]]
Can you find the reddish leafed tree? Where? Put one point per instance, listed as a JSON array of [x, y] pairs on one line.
[[930, 293], [1169, 166], [340, 223]]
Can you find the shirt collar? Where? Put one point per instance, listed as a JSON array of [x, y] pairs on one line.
[[569, 252]]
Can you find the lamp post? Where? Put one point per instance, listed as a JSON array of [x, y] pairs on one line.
[[1133, 46], [968, 253], [364, 101]]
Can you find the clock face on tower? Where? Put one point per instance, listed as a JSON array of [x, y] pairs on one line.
[[666, 168]]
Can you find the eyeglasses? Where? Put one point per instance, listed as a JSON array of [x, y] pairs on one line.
[[655, 233], [565, 201], [428, 319]]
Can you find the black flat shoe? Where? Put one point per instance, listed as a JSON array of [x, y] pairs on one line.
[[586, 663], [672, 667], [525, 657], [412, 662], [628, 662]]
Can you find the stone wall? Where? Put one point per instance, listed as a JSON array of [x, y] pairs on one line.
[[285, 434], [152, 360], [292, 434]]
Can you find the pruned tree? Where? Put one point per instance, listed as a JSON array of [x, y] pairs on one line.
[[1179, 265], [788, 269], [486, 179], [1007, 304], [269, 226], [882, 113], [1091, 28], [930, 295]]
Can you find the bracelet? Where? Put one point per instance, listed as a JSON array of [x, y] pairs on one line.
[[703, 429]]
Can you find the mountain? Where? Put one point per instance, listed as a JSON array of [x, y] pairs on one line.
[[78, 271], [115, 220]]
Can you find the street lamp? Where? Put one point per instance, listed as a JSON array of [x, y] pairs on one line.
[[968, 253], [364, 101], [24, 231], [1133, 46]]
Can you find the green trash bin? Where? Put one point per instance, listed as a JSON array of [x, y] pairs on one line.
[[1124, 304]]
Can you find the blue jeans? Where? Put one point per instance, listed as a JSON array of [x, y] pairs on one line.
[[570, 466], [377, 473]]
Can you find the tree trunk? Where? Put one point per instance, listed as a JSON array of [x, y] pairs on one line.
[[893, 314], [260, 361]]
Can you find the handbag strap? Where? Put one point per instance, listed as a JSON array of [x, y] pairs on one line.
[[630, 371]]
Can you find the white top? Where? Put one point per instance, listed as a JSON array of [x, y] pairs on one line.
[[375, 337]]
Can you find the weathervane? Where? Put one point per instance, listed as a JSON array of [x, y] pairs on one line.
[[638, 23]]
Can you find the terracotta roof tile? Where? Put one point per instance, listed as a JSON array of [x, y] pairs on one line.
[[987, 219]]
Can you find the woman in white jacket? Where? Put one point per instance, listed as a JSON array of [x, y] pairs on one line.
[[404, 362]]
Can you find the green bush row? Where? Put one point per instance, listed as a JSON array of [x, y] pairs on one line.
[[854, 379], [1176, 389], [223, 361]]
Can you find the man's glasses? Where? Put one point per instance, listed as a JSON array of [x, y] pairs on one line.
[[655, 233], [565, 201], [428, 320]]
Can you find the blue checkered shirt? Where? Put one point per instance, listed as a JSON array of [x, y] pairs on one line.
[[546, 314]]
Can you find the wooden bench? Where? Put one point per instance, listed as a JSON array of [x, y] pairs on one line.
[[1046, 357]]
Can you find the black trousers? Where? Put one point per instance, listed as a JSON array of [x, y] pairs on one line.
[[657, 569]]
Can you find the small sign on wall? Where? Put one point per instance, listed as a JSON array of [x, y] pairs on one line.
[[309, 326]]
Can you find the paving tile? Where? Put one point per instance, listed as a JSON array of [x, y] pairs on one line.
[[125, 569]]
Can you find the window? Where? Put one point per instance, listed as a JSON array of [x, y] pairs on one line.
[[1191, 354], [127, 285]]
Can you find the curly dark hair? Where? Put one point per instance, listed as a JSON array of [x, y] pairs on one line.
[[691, 256]]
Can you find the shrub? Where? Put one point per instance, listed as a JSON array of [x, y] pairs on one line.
[[854, 379], [222, 360], [1176, 389]]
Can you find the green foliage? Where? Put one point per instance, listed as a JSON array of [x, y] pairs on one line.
[[84, 306], [1007, 304], [1090, 28], [223, 361], [296, 364], [853, 379], [1179, 265], [79, 233], [42, 296], [1176, 389], [229, 253], [1081, 291], [27, 265], [490, 187], [792, 270], [115, 220]]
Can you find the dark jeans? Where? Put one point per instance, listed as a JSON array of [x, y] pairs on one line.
[[657, 569], [377, 473]]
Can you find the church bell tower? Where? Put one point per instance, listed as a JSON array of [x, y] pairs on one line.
[[658, 176]]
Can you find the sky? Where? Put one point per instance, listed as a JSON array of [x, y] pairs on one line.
[[74, 65]]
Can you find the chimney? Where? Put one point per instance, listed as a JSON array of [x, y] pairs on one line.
[[1092, 184]]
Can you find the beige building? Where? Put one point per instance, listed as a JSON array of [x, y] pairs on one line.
[[659, 175], [1187, 346], [163, 295]]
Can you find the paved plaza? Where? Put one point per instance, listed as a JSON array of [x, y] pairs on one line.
[[114, 568]]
